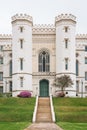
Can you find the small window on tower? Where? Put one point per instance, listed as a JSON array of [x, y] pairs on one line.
[[1, 48], [85, 75], [85, 60], [21, 81], [1, 60], [1, 76], [21, 64], [66, 43], [66, 29], [85, 48], [21, 29], [66, 63], [86, 88], [21, 43]]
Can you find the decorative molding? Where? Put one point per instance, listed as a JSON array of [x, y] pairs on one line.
[[22, 73], [22, 17], [44, 74], [65, 73]]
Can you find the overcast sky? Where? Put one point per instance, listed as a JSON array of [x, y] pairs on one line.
[[43, 12]]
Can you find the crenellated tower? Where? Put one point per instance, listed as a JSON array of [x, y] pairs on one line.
[[22, 53], [65, 48]]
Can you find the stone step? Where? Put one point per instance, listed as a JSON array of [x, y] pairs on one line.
[[44, 102], [44, 118], [43, 109]]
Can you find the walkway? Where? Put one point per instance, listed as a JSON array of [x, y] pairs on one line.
[[43, 126]]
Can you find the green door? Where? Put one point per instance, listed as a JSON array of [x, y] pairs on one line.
[[44, 88]]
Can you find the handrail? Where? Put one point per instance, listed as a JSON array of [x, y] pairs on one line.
[[52, 109], [35, 110]]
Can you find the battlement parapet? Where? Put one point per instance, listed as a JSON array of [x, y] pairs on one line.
[[81, 36], [43, 28], [65, 17], [5, 36], [22, 17]]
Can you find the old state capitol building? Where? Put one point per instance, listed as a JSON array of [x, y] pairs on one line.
[[33, 55]]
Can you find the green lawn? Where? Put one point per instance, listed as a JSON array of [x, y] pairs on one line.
[[13, 125], [71, 113], [16, 113], [72, 126]]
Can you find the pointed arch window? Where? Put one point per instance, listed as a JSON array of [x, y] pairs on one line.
[[44, 62]]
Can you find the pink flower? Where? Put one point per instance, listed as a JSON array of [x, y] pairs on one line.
[[25, 94]]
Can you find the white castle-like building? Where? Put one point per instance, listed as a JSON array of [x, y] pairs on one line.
[[33, 55]]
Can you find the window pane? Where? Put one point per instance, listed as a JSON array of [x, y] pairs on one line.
[[10, 86], [44, 62], [10, 68], [1, 48], [21, 64], [21, 81], [66, 29], [85, 48], [66, 64], [21, 43], [1, 89], [85, 75], [21, 29], [1, 60], [86, 88], [85, 60], [66, 43], [77, 68], [77, 86], [1, 76]]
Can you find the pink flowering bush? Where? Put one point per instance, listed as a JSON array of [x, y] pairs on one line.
[[25, 94]]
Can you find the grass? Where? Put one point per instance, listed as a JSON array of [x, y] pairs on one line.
[[71, 113], [13, 125], [72, 126], [16, 113]]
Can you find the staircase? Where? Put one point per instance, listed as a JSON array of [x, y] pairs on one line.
[[44, 110]]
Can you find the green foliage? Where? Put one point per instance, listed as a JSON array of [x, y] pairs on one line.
[[72, 110], [5, 94], [63, 82]]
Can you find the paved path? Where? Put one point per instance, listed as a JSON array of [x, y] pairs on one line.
[[43, 126]]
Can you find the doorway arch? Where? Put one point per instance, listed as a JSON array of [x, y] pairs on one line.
[[44, 88]]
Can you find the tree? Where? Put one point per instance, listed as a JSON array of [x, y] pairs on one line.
[[63, 82]]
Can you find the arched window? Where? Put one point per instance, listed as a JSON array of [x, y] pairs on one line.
[[44, 61], [77, 68]]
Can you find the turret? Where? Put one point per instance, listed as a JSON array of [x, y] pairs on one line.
[[65, 48], [22, 53]]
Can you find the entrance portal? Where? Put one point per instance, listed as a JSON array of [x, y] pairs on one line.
[[44, 88]]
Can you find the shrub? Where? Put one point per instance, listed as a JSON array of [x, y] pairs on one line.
[[61, 94], [25, 94]]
